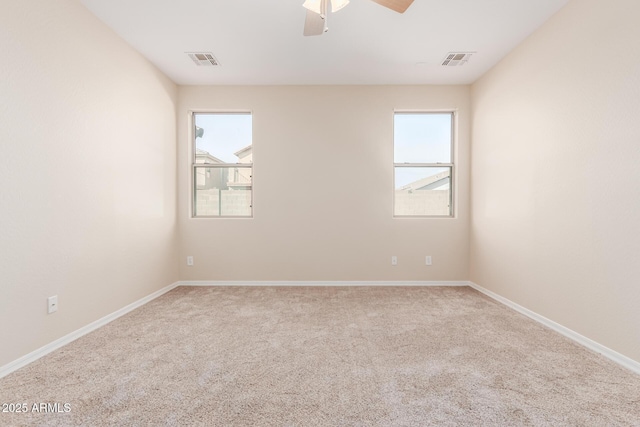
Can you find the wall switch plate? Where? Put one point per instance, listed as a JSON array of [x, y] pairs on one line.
[[394, 260], [52, 304], [189, 260], [427, 260]]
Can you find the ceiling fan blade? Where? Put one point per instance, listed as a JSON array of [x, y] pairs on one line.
[[313, 24], [398, 5]]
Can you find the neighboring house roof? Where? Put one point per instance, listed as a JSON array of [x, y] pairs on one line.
[[206, 156], [244, 151], [429, 183]]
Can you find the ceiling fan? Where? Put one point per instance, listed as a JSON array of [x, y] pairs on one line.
[[316, 21]]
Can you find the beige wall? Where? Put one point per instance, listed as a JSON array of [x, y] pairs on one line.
[[556, 176], [323, 188], [88, 155], [87, 166]]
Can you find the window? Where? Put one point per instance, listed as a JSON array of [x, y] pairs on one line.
[[423, 164], [222, 165]]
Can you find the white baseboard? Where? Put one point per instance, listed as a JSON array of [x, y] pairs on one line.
[[317, 283], [42, 351], [580, 339]]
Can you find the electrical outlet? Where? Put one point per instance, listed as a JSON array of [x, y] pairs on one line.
[[427, 260], [394, 260], [189, 260], [52, 304]]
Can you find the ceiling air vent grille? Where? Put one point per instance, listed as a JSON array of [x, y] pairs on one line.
[[455, 59], [203, 59]]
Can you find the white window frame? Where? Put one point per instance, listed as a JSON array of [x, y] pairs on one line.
[[195, 166], [451, 165]]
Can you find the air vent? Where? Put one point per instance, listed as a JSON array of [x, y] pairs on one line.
[[455, 59], [203, 59]]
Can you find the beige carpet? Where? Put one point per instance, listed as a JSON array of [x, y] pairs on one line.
[[343, 356]]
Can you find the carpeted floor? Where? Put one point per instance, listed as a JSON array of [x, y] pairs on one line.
[[324, 356]]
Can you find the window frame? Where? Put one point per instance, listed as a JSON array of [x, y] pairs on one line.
[[450, 165], [194, 166]]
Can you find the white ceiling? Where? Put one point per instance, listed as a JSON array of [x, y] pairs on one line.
[[260, 42]]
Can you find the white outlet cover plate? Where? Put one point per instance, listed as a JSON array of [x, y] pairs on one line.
[[52, 304]]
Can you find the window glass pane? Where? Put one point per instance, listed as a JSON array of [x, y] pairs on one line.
[[223, 138], [422, 138], [422, 191], [223, 191]]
